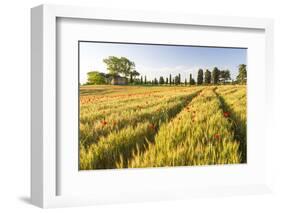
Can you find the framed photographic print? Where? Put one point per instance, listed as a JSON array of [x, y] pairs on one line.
[[130, 106]]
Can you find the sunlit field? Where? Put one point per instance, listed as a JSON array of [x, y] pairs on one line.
[[157, 126]]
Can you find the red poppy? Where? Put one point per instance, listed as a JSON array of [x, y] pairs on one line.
[[226, 114], [151, 126], [217, 136], [103, 122]]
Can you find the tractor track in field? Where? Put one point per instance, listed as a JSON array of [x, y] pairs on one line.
[[190, 98], [236, 126], [142, 149]]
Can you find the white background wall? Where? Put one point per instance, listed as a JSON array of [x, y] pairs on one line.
[[15, 98]]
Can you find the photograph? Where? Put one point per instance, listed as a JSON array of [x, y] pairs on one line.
[[144, 105]]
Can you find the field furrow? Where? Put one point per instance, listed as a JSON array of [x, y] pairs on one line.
[[235, 105]]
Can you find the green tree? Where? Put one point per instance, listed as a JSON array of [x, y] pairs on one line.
[[170, 79], [215, 75], [113, 65], [155, 81], [208, 77], [127, 67], [122, 65], [131, 78], [200, 77], [145, 79], [224, 76], [141, 81], [242, 75], [95, 77], [167, 80], [191, 80], [185, 82], [161, 80], [227, 75], [177, 79], [133, 74]]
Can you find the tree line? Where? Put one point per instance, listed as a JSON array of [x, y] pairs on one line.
[[123, 67]]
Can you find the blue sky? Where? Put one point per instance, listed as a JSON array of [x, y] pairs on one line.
[[161, 60]]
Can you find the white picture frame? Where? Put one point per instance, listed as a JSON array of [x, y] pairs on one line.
[[44, 83]]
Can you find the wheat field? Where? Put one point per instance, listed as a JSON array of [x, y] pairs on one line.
[[158, 126]]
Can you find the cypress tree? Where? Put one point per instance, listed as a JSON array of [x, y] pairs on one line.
[[215, 75], [170, 79], [208, 77], [200, 77]]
